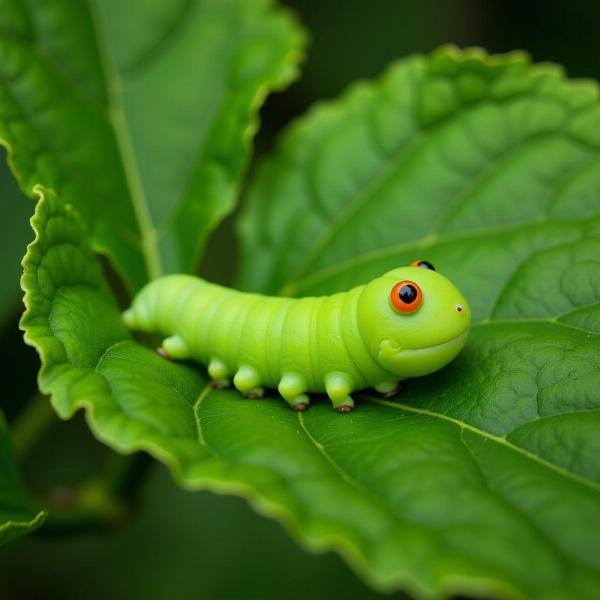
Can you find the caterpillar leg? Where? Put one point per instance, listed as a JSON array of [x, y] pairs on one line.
[[175, 347], [389, 389], [292, 388], [162, 352], [338, 387], [219, 373], [247, 381]]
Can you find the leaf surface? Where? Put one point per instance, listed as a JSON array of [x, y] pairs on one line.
[[488, 167], [140, 113], [17, 513], [480, 479]]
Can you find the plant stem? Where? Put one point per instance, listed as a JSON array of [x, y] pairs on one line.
[[31, 426], [103, 501]]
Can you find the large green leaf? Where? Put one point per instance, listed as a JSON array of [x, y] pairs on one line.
[[490, 168], [18, 515], [480, 479], [140, 113]]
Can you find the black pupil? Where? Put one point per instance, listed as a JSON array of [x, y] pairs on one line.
[[407, 293], [426, 265]]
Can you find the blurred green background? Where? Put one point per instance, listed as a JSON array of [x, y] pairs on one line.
[[177, 544]]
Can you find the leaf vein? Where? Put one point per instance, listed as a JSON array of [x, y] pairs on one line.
[[364, 195], [489, 436], [526, 519], [125, 147], [166, 37]]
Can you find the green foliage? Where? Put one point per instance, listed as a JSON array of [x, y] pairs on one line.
[[140, 114], [475, 162], [489, 168], [17, 513]]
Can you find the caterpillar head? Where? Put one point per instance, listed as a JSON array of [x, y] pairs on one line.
[[413, 320]]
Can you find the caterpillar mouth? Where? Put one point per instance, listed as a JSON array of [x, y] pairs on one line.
[[415, 362], [455, 341]]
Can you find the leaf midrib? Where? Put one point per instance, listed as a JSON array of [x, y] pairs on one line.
[[116, 117]]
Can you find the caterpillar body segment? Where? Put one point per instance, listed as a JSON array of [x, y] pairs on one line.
[[373, 335]]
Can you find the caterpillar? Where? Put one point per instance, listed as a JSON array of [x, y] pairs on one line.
[[408, 322]]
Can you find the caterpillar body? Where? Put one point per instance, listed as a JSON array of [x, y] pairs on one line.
[[409, 322]]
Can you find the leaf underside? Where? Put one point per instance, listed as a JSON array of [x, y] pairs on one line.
[[480, 479], [140, 113]]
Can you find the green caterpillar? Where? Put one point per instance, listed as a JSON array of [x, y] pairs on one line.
[[409, 322]]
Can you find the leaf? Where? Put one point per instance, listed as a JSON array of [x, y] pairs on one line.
[[140, 114], [481, 479], [17, 513], [489, 168], [86, 352]]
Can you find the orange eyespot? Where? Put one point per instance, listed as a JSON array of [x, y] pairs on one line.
[[423, 264], [406, 296]]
